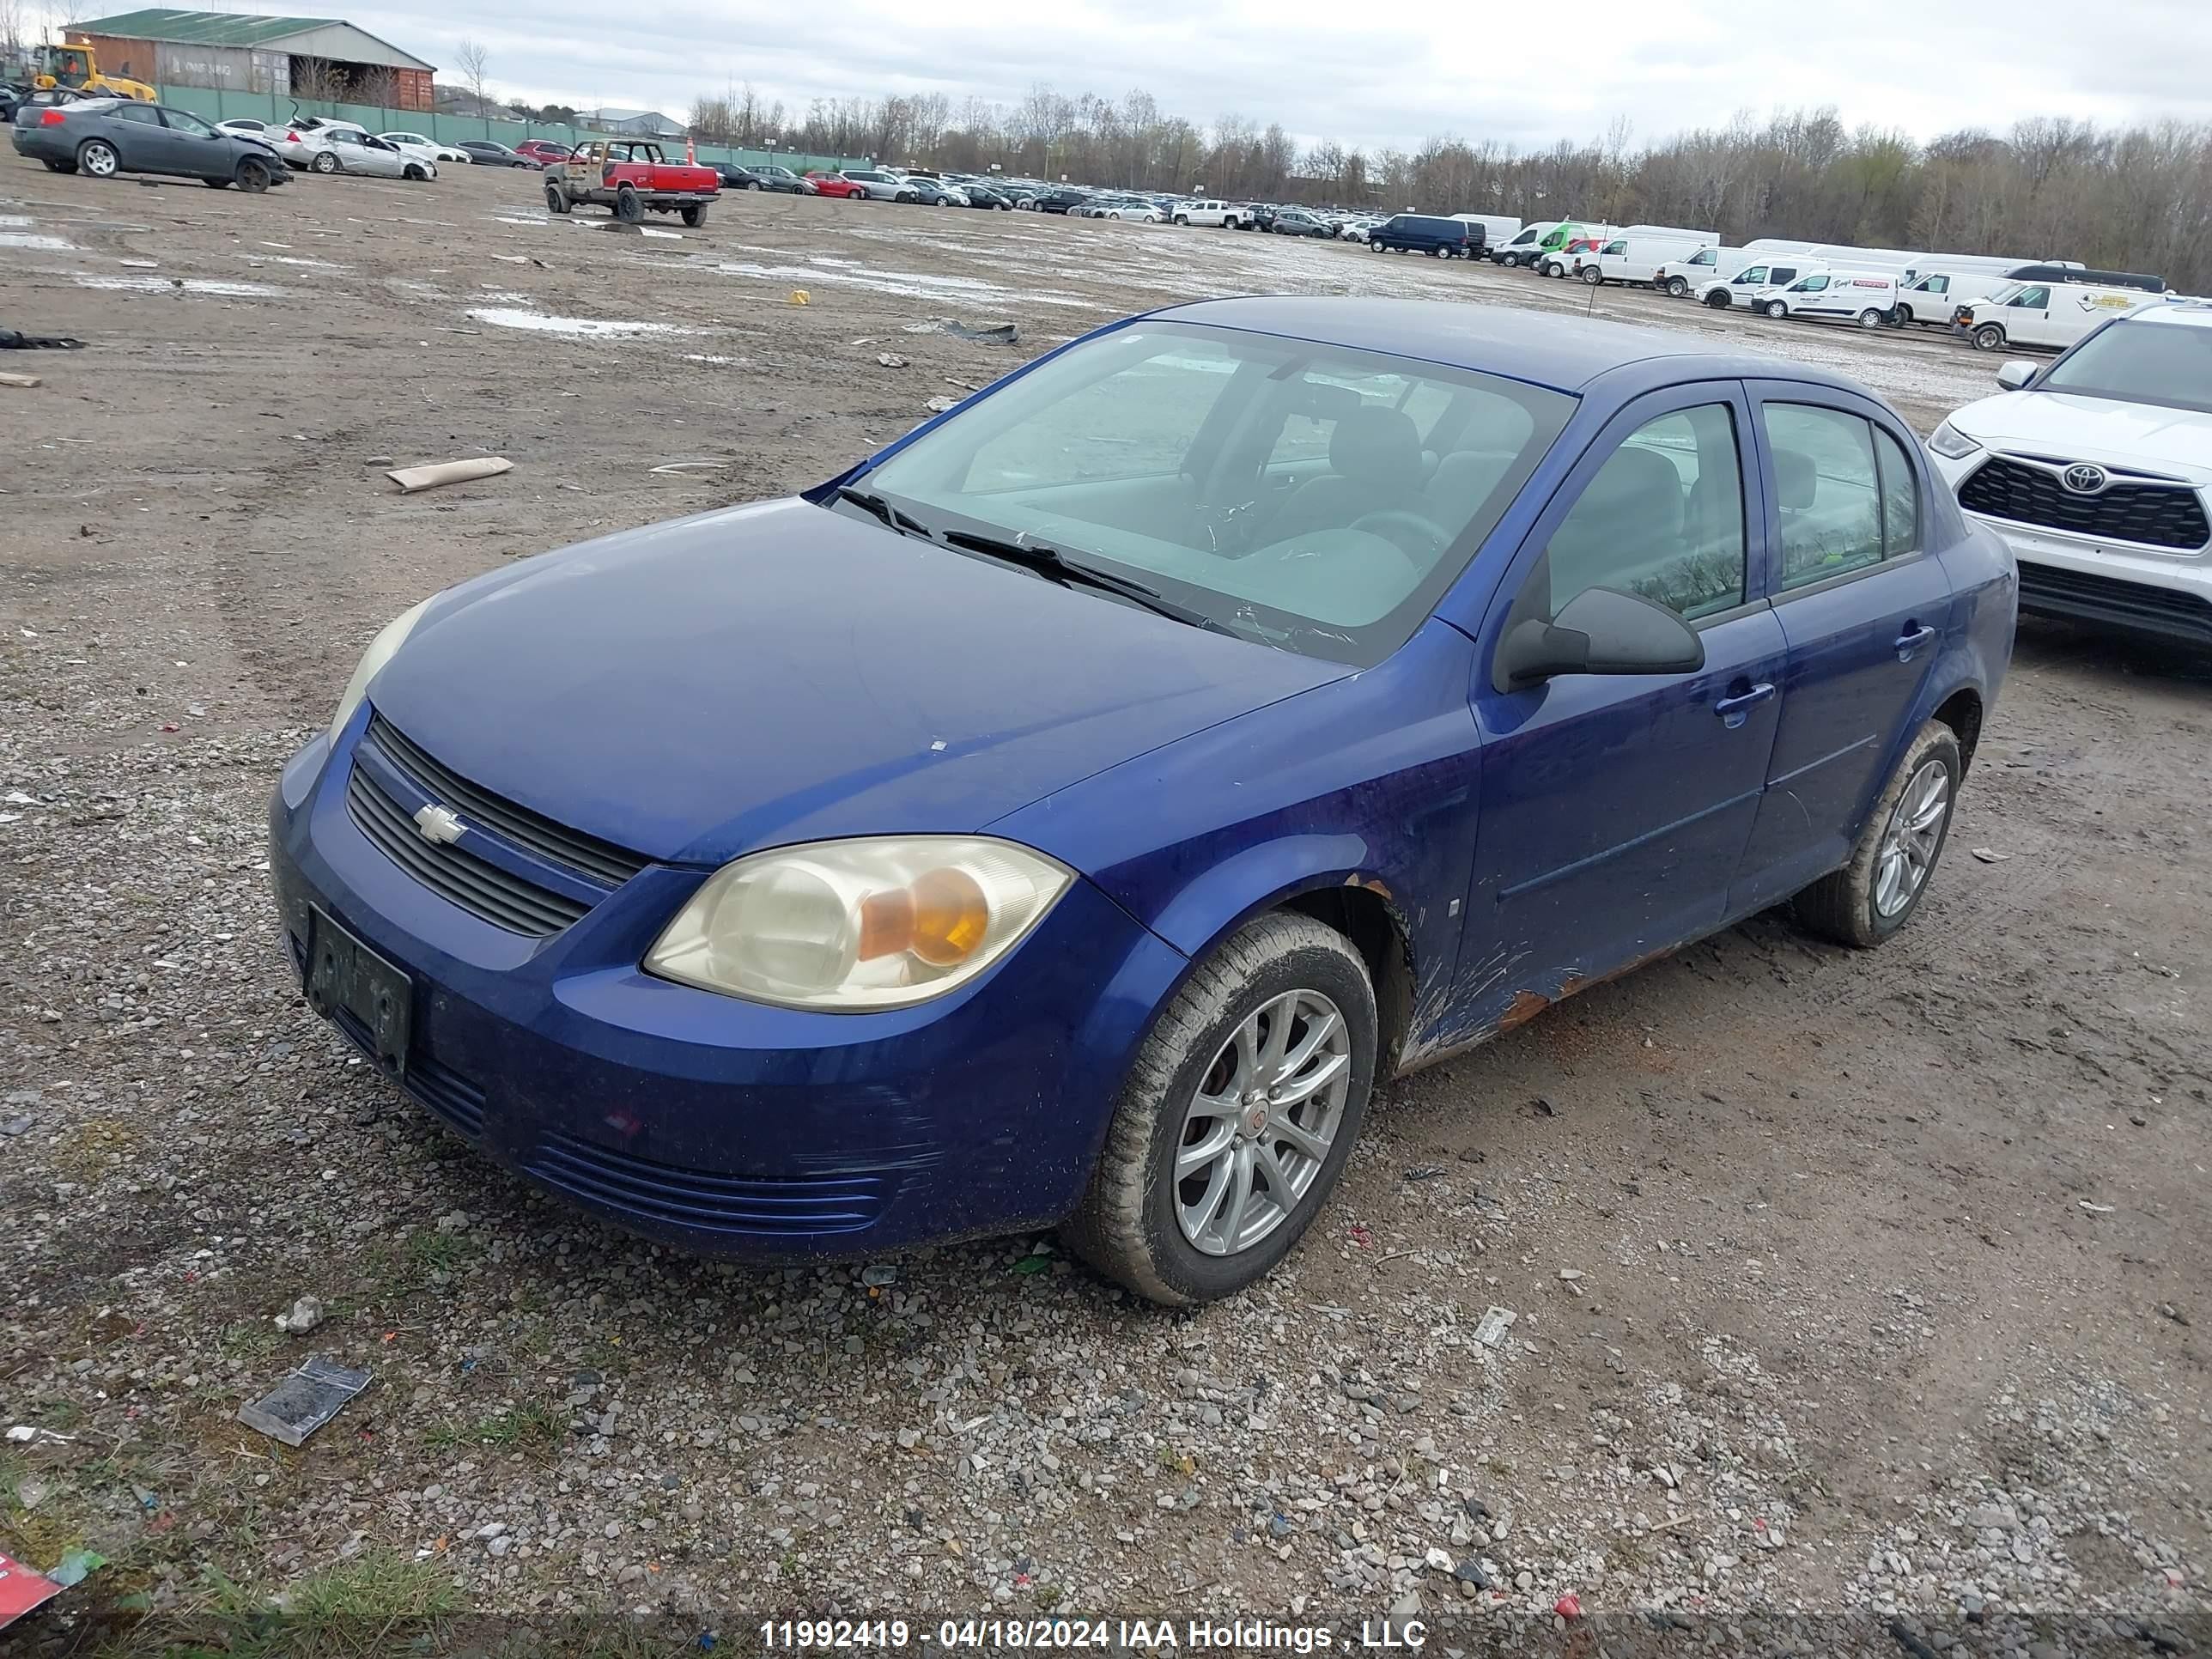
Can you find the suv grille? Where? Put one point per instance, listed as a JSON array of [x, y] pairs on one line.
[[2150, 515], [484, 889]]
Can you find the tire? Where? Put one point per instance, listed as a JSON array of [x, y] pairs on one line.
[[326, 161], [1870, 317], [216, 184], [97, 157], [415, 173], [1130, 1226], [1848, 905], [1375, 245], [694, 214], [1592, 276], [1679, 287], [1776, 310], [628, 208], [1989, 337], [61, 167], [253, 178], [555, 201], [1901, 315], [754, 184], [1718, 300]]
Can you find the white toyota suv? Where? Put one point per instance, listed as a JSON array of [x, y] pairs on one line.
[[2097, 470]]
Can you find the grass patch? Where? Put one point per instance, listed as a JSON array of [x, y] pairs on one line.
[[532, 1426], [381, 1602], [429, 1251]]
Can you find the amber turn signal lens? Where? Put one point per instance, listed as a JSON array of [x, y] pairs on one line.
[[950, 917]]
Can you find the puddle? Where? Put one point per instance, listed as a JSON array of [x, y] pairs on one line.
[[34, 242], [181, 285], [582, 328], [16, 220]]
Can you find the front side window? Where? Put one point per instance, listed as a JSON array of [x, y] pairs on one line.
[[1662, 519], [2034, 298], [1709, 256], [1755, 277], [1828, 493], [1308, 496], [1811, 285], [1620, 246], [1934, 285]]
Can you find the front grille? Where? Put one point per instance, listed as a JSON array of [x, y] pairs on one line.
[[588, 856], [2080, 594], [449, 1095], [478, 885], [712, 1203], [2150, 515]]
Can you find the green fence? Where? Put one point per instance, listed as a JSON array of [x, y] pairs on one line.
[[216, 105]]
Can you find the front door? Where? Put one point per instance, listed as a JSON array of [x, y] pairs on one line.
[[1615, 809], [142, 143], [1864, 609], [2026, 317]]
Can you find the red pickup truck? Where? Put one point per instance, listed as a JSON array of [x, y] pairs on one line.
[[631, 175]]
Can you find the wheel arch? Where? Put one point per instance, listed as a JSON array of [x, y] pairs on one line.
[[1962, 711]]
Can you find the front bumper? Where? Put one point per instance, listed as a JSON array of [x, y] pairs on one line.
[[2164, 595], [720, 1125]]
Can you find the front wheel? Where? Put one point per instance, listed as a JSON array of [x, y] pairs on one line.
[[1776, 310], [415, 173], [1718, 300], [555, 201], [97, 157], [1592, 276], [1900, 316], [755, 184], [1873, 895], [1988, 338], [253, 177], [1678, 287], [1236, 1117], [326, 162]]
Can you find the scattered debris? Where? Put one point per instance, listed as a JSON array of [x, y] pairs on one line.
[[983, 334], [306, 1313], [76, 1566], [2096, 1209], [1424, 1172], [799, 296], [1490, 1330], [1568, 1275], [891, 359], [1568, 1605], [1988, 855], [1438, 1561], [21, 1589], [879, 1274], [310, 1397], [512, 259], [941, 405], [412, 478], [24, 1434], [675, 469], [12, 341], [27, 381]]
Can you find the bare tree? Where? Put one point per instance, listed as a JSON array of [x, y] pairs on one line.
[[473, 61], [15, 19]]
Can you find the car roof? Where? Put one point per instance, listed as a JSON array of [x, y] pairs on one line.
[[2178, 314], [1563, 352]]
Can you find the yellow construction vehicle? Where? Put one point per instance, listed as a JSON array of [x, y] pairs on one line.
[[76, 68]]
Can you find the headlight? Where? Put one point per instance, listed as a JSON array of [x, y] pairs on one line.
[[1950, 443], [852, 924], [381, 650]]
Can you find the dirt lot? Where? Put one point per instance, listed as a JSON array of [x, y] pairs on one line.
[[1847, 1285]]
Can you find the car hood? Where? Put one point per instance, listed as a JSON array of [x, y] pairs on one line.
[[2064, 426], [786, 672]]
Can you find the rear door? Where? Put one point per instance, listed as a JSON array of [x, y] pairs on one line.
[[1864, 608], [142, 142], [1616, 808]]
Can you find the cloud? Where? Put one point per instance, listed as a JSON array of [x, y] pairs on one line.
[[1527, 75]]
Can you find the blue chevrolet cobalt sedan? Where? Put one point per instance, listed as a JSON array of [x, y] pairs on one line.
[[1065, 817]]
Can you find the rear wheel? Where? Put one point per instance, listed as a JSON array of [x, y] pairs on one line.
[[628, 208], [694, 214], [253, 177], [61, 167], [216, 184], [1988, 338], [1870, 317], [97, 157], [1874, 895], [326, 160], [1236, 1118]]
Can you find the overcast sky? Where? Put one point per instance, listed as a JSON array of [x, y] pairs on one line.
[[1373, 75]]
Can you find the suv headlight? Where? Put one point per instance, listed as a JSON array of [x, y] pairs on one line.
[[381, 650], [1950, 443], [852, 924]]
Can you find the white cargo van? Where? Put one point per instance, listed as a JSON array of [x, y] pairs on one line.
[[1636, 253], [1495, 227], [2052, 315], [1679, 277], [1864, 297], [1747, 284], [1929, 299]]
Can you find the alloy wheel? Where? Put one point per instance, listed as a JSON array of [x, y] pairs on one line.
[[1908, 845], [1263, 1123]]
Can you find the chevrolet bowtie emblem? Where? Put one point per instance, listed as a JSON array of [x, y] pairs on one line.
[[438, 824]]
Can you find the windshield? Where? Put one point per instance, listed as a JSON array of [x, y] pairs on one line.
[[1311, 496], [2139, 363]]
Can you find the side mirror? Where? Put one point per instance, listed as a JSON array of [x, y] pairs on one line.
[[2016, 375], [1600, 630]]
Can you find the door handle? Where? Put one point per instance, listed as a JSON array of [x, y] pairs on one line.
[[1735, 710], [1911, 639]]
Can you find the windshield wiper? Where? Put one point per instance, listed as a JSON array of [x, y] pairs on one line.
[[1049, 561], [891, 518]]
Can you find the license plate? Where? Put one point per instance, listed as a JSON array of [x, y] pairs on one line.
[[344, 975]]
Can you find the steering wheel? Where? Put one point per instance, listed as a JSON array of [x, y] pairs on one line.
[[1429, 539]]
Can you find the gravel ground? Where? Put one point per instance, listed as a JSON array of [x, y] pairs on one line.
[[1855, 1295]]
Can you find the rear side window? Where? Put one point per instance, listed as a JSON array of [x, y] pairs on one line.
[[1783, 274], [1828, 491], [142, 113], [1900, 497], [1662, 519]]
